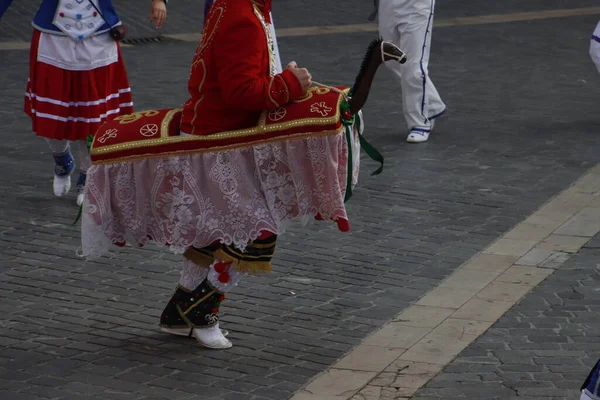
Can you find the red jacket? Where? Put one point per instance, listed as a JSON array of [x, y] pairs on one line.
[[232, 79]]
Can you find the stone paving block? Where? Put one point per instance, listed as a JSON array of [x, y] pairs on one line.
[[369, 358], [423, 316], [446, 341], [396, 335], [535, 256], [338, 382], [490, 263], [585, 223], [503, 291], [447, 297], [510, 247], [478, 309], [469, 279], [518, 274], [563, 243]]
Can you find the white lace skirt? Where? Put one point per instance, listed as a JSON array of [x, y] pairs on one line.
[[228, 196]]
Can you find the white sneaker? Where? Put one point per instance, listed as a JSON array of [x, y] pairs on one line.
[[212, 338], [417, 136], [62, 185]]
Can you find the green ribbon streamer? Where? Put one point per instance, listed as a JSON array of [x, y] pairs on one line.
[[371, 151], [78, 215], [350, 171]]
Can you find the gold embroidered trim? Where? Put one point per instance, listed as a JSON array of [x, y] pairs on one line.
[[164, 126], [200, 86], [251, 267], [269, 92], [270, 42], [186, 290], [287, 89], [196, 303], [261, 128], [198, 258], [208, 150]]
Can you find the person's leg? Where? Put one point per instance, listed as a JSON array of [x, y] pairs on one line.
[[584, 396], [63, 165], [408, 24], [212, 271], [85, 162], [595, 47], [193, 307]]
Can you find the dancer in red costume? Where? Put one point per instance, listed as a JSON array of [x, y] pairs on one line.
[[231, 84]]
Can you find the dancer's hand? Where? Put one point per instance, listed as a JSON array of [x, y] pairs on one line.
[[158, 12], [304, 77]]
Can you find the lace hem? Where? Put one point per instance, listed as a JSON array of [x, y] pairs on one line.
[[228, 196]]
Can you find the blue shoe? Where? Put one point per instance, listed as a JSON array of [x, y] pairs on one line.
[[63, 166]]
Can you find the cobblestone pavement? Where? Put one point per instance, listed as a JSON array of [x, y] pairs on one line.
[[543, 348], [521, 126]]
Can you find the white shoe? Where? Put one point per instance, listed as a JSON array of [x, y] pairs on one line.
[[417, 137], [80, 198], [184, 331], [212, 338], [62, 185]]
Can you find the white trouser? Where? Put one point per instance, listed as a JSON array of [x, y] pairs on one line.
[[584, 396], [595, 47], [408, 24], [60, 146]]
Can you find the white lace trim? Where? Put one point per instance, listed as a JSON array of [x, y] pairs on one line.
[[228, 196], [192, 275]]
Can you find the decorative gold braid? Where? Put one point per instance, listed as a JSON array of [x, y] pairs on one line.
[[251, 267], [173, 139], [269, 92], [196, 303], [198, 258], [164, 126]]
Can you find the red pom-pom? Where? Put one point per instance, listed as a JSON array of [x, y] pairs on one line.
[[62, 14], [95, 14], [347, 115], [343, 225], [214, 310], [224, 277], [221, 298], [220, 267]]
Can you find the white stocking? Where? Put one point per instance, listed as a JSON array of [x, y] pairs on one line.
[[192, 275], [58, 146], [85, 161]]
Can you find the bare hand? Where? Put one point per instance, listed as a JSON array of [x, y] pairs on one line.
[[158, 12], [304, 77]]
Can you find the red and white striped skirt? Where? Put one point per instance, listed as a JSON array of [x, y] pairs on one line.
[[74, 87]]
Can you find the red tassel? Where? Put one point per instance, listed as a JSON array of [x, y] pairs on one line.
[[224, 277], [343, 225]]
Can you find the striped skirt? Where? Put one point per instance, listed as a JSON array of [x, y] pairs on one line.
[[74, 87]]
